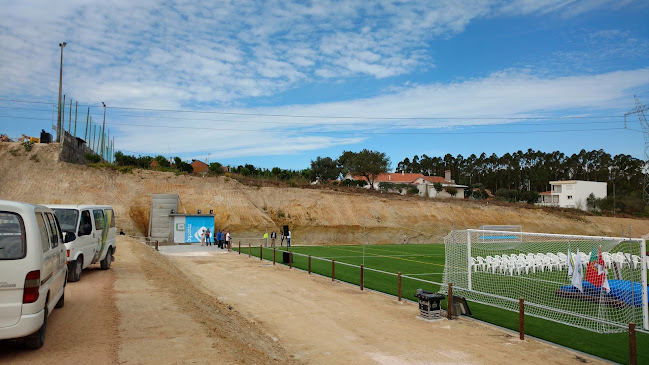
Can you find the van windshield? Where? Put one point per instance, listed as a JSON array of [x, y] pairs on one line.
[[67, 219], [12, 236]]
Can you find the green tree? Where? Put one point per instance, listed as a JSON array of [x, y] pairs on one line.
[[324, 169], [368, 164], [215, 168], [162, 161]]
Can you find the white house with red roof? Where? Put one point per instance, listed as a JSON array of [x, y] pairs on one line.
[[425, 184]]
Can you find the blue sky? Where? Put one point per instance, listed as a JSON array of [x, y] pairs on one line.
[[279, 83]]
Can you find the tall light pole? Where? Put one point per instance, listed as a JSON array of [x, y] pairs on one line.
[[103, 130], [58, 118]]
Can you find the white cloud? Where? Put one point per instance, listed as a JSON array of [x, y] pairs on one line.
[[196, 45], [499, 98]]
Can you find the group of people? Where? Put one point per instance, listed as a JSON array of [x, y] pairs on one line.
[[273, 237], [221, 239]]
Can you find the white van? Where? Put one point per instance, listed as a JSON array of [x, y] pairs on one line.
[[32, 271], [90, 233]]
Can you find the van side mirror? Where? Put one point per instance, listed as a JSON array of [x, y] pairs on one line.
[[69, 237]]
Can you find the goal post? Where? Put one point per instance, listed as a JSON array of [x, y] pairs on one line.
[[496, 268]]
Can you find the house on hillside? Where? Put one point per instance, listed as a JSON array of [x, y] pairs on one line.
[[425, 184], [572, 193], [199, 167]]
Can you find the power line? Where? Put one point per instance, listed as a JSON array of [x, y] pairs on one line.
[[549, 122], [354, 132], [329, 117]]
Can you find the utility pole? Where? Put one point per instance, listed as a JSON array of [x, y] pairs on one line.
[[85, 135], [62, 126], [103, 130], [640, 109], [70, 118], [76, 108], [58, 118]]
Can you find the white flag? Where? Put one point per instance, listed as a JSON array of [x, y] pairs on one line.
[[577, 273], [570, 263]]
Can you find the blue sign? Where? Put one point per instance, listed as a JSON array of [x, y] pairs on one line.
[[194, 226]]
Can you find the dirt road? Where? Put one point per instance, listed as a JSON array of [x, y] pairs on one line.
[[216, 307], [84, 331]]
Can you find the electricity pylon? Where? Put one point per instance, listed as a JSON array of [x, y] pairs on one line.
[[640, 109]]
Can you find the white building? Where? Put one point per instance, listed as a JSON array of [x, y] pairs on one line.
[[572, 193]]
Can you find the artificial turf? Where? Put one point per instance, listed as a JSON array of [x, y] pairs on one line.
[[383, 262]]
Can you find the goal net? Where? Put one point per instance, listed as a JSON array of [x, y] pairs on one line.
[[594, 283], [500, 232]]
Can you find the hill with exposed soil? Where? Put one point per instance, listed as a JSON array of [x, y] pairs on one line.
[[315, 215]]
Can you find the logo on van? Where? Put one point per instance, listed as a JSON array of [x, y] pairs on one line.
[[5, 284]]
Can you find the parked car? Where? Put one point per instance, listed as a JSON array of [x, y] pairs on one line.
[[90, 233], [32, 271]]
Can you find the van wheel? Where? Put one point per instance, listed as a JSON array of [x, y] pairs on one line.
[[75, 271], [37, 339], [105, 263]]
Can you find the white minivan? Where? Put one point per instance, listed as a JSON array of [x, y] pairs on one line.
[[90, 234], [32, 271]]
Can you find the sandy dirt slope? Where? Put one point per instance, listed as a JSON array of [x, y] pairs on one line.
[[325, 322], [316, 216]]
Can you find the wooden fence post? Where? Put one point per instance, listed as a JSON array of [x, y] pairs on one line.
[[633, 358], [449, 309], [309, 264], [156, 246], [274, 251], [362, 279], [333, 270], [290, 260], [239, 247], [399, 284], [249, 250], [261, 252], [521, 318]]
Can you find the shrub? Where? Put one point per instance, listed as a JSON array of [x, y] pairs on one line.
[[92, 158], [413, 190], [452, 190], [28, 145]]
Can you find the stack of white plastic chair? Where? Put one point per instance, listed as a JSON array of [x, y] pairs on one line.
[[620, 259], [637, 261], [539, 262], [480, 263], [606, 256]]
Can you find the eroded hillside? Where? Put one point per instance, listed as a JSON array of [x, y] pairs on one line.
[[315, 216]]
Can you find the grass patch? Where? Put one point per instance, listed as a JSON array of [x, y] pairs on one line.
[[427, 262]]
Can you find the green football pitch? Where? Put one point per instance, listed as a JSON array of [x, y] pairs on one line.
[[421, 264]]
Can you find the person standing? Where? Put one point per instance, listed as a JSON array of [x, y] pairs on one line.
[[273, 237], [217, 239], [227, 238], [266, 239], [202, 237], [281, 242], [208, 241], [288, 239]]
